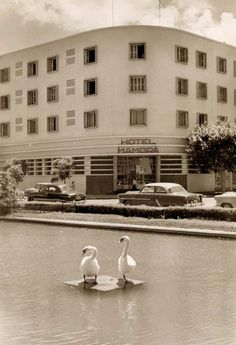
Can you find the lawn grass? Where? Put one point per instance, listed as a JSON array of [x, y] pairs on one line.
[[181, 223]]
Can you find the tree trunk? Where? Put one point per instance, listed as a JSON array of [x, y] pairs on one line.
[[222, 179]]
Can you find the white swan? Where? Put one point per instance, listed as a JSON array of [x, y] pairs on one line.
[[89, 264], [126, 263]]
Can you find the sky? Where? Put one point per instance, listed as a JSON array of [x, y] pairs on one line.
[[24, 23]]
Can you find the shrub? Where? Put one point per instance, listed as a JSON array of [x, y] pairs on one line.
[[10, 197], [220, 214]]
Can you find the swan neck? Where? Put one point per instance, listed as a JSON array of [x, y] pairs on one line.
[[125, 249], [94, 254]]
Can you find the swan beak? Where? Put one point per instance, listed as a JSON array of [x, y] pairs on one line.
[[83, 252], [121, 240]]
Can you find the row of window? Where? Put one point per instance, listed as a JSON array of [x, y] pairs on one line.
[[44, 166], [136, 84], [32, 68], [201, 90], [32, 97], [137, 51], [181, 56], [137, 117]]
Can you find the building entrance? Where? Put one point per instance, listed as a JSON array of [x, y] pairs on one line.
[[134, 172]]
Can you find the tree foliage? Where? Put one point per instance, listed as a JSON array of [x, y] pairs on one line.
[[213, 147], [16, 168], [62, 168], [10, 197]]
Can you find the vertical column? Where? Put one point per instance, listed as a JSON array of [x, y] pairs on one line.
[[114, 173], [158, 168], [87, 168], [184, 164]]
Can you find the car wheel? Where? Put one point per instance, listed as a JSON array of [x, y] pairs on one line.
[[125, 202], [227, 205], [30, 198]]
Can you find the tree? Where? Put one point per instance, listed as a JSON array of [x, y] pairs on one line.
[[16, 168], [213, 148], [62, 168], [10, 197]]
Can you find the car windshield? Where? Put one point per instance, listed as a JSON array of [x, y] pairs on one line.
[[176, 189], [63, 189], [148, 189]]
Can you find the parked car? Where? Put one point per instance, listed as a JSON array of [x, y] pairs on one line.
[[227, 199], [160, 194], [53, 192], [33, 189]]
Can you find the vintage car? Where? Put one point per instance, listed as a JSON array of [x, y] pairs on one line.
[[33, 189], [53, 192], [161, 194], [227, 199]]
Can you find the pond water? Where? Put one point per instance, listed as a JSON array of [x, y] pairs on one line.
[[189, 296]]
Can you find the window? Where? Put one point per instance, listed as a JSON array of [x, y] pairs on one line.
[[201, 90], [182, 118], [5, 102], [32, 126], [201, 59], [90, 119], [52, 93], [5, 129], [221, 65], [90, 55], [234, 68], [221, 94], [52, 64], [4, 75], [32, 97], [222, 118], [90, 87], [201, 119], [181, 54], [138, 117], [137, 83], [52, 123], [181, 86], [32, 68], [137, 50], [148, 189]]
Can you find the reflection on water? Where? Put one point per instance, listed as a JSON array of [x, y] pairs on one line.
[[189, 297]]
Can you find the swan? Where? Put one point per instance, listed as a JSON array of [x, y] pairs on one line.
[[126, 263], [89, 264]]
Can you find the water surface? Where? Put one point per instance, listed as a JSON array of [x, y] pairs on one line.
[[189, 296]]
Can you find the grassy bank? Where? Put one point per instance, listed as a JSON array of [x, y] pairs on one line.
[[184, 223]]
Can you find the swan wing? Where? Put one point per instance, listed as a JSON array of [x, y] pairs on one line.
[[89, 267], [131, 262], [126, 264]]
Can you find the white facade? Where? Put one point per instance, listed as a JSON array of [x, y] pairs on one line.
[[134, 123]]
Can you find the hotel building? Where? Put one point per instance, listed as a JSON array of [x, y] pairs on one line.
[[120, 101]]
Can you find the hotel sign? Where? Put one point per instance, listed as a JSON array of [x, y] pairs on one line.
[[137, 145]]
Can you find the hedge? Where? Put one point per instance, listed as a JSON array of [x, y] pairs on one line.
[[221, 214]]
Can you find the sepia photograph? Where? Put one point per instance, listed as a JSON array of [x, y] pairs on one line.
[[117, 172]]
